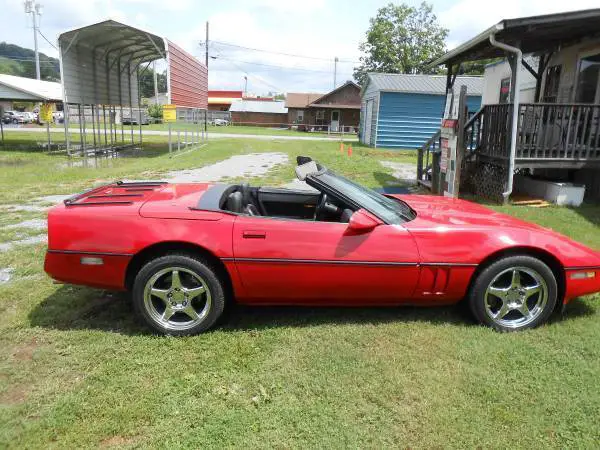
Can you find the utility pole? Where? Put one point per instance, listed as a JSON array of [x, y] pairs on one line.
[[245, 86], [155, 83], [206, 47], [206, 63], [35, 9], [335, 61]]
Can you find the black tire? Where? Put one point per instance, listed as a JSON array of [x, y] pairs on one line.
[[496, 301], [197, 274]]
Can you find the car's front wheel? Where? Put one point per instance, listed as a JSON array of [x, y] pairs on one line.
[[514, 293], [178, 295]]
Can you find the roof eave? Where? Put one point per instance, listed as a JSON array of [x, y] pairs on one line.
[[483, 36]]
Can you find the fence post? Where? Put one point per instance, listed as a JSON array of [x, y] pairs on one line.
[[435, 172], [420, 152], [170, 143]]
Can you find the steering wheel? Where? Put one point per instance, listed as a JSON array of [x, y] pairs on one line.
[[320, 206]]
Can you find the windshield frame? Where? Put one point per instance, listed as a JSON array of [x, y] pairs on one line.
[[402, 215]]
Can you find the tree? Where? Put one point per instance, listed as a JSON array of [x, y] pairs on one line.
[[401, 39], [147, 82]]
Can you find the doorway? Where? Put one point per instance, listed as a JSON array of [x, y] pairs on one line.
[[335, 120]]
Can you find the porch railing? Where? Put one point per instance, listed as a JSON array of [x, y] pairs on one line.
[[546, 132], [428, 162]]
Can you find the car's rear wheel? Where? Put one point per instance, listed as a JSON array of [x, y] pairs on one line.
[[178, 295], [514, 293]]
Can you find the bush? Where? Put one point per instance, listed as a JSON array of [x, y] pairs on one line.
[[155, 111]]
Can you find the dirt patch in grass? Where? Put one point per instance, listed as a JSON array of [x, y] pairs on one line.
[[14, 395], [118, 441], [251, 165], [25, 352]]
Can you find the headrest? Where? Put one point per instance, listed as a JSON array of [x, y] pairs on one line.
[[306, 169]]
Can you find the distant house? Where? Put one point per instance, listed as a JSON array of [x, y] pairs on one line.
[[403, 111], [335, 111], [222, 100], [259, 113]]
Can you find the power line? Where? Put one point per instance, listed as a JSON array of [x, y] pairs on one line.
[[228, 44], [302, 69], [46, 39], [260, 79]]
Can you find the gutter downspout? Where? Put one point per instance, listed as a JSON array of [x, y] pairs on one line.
[[515, 116]]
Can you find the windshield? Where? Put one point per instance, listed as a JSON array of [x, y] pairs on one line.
[[390, 210]]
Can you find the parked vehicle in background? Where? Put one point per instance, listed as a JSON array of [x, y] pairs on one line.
[[187, 250], [30, 117], [58, 116], [221, 122], [135, 118], [13, 117]]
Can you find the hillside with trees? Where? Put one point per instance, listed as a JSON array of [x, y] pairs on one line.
[[20, 61]]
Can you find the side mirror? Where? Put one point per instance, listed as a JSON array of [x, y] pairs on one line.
[[362, 222]]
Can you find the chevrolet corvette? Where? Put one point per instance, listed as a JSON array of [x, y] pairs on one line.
[[186, 251]]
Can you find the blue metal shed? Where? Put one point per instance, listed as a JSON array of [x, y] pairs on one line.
[[403, 111]]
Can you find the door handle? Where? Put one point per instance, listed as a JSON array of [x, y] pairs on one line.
[[254, 234]]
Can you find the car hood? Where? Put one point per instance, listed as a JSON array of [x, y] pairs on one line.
[[439, 211]]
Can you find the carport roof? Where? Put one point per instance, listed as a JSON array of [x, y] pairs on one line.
[[113, 36], [21, 88]]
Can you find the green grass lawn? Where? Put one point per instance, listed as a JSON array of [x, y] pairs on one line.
[[78, 370]]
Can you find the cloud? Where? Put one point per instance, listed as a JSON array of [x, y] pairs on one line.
[[467, 18], [248, 29]]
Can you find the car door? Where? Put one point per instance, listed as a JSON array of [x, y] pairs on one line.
[[310, 262]]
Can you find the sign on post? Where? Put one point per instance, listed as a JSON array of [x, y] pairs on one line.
[[169, 113], [452, 131]]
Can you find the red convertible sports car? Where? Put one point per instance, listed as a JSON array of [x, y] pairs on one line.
[[186, 250]]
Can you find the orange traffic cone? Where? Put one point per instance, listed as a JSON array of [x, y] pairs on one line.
[[350, 150], [342, 148]]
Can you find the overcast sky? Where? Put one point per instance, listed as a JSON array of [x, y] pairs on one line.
[[321, 29]]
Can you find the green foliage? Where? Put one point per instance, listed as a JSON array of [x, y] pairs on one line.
[[155, 111], [20, 61], [147, 82], [475, 67], [401, 39]]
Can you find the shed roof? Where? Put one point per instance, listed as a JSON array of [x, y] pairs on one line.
[[531, 34], [271, 107], [300, 99], [21, 88], [421, 84]]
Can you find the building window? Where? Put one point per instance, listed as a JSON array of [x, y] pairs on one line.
[[300, 115], [504, 90], [320, 115], [588, 79], [552, 83]]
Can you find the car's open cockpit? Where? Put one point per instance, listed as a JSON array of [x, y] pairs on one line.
[[284, 203]]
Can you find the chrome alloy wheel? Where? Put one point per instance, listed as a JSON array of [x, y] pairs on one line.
[[516, 297], [177, 298]]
